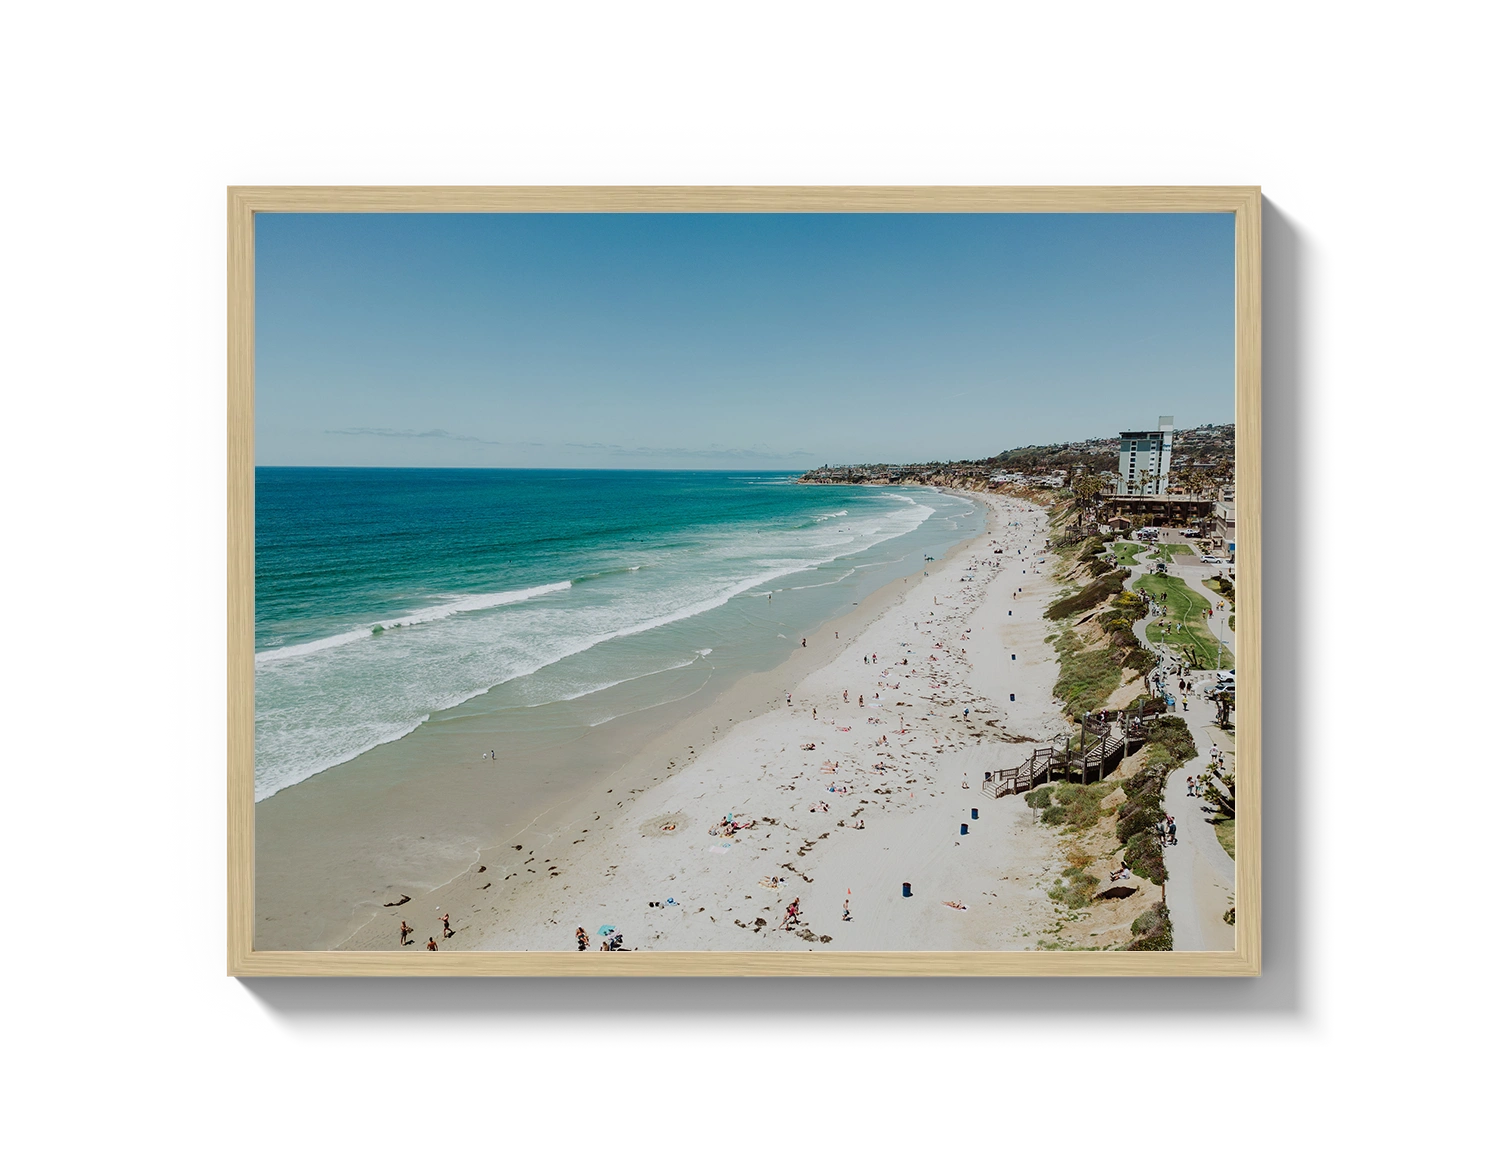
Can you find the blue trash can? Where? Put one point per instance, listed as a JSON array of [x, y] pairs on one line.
[[973, 814], [963, 828], [906, 889], [1013, 698]]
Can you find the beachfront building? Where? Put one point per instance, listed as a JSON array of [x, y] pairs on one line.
[[1175, 511], [1145, 460], [1222, 532]]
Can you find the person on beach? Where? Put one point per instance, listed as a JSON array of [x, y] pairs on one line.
[[846, 909], [405, 931], [861, 700], [846, 695], [804, 643], [431, 943], [447, 930], [583, 938]]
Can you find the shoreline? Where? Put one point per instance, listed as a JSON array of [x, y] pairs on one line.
[[410, 818], [590, 853]]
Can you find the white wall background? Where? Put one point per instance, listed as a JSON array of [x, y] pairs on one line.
[[107, 1067]]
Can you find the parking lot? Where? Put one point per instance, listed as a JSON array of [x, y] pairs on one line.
[[1175, 536]]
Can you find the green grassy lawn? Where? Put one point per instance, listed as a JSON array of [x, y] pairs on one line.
[[1186, 605], [1125, 552], [1224, 831], [1178, 550]]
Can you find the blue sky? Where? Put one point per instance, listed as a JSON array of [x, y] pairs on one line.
[[766, 341]]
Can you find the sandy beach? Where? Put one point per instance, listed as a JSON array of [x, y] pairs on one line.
[[705, 836]]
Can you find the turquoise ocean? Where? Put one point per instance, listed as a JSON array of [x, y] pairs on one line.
[[386, 598]]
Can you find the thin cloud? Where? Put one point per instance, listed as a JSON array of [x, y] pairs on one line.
[[391, 433], [690, 452], [735, 453]]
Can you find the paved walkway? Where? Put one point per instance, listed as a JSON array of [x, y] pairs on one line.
[[1200, 875]]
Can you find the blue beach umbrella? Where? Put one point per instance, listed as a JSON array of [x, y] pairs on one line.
[[606, 930]]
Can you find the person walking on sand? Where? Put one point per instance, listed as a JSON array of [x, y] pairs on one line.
[[405, 930], [583, 938], [447, 930], [431, 943], [846, 694], [846, 909]]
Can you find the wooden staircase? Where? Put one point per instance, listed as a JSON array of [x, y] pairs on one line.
[[1112, 743]]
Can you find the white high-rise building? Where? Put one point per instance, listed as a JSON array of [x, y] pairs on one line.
[[1145, 460]]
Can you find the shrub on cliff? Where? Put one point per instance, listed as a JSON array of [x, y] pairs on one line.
[[1088, 597], [1171, 733], [1152, 931], [1143, 856]]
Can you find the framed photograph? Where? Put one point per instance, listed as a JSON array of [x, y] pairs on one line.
[[744, 581], [542, 464]]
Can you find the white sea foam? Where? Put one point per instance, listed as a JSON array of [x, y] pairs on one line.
[[469, 603], [617, 682]]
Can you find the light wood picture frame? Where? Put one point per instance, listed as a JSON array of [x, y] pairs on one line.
[[245, 203]]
